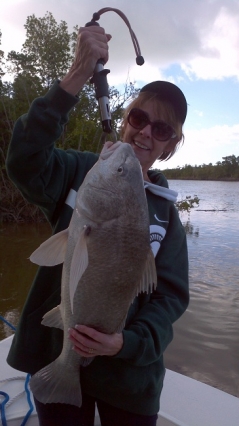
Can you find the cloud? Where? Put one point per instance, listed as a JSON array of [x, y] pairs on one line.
[[198, 113], [219, 58], [202, 36], [204, 146], [216, 135]]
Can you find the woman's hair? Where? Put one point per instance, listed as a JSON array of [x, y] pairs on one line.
[[165, 112]]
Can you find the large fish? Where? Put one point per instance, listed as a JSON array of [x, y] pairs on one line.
[[107, 261]]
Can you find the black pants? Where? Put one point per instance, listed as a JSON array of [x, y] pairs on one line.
[[70, 415]]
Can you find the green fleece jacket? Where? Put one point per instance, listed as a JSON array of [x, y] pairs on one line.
[[46, 176]]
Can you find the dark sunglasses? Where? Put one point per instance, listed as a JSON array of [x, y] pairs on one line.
[[161, 131]]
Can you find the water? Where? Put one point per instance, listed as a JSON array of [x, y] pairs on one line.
[[17, 242], [206, 343]]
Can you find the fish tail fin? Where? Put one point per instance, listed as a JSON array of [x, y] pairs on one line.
[[52, 384]]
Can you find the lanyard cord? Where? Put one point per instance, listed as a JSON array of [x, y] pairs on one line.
[[96, 17], [99, 77]]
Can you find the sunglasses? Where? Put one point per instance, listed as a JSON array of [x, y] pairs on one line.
[[161, 131]]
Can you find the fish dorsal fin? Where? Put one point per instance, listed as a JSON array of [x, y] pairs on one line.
[[79, 262], [53, 318], [148, 281], [52, 251]]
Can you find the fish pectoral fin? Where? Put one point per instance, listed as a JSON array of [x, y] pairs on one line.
[[79, 262], [52, 251], [53, 318], [148, 282]]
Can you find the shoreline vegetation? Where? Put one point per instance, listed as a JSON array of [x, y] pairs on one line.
[[225, 170], [206, 179]]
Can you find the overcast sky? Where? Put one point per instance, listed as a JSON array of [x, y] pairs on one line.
[[193, 43]]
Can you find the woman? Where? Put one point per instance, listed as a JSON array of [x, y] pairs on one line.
[[125, 378]]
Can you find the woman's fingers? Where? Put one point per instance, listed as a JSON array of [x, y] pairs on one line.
[[90, 342]]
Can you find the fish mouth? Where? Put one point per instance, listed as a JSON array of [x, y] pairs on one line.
[[108, 149]]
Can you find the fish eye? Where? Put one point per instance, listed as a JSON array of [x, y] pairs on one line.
[[120, 169]]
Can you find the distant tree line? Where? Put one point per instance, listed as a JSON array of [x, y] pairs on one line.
[[227, 169]]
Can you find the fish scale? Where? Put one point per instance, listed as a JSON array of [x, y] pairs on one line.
[[107, 262]]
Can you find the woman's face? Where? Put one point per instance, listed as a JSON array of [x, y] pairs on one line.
[[147, 149]]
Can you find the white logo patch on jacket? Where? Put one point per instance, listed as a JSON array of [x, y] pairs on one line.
[[157, 234]]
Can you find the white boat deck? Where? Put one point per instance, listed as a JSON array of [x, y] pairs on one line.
[[184, 401]]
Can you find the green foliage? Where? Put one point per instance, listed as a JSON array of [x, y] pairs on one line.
[[187, 203], [13, 207], [46, 53], [84, 129], [1, 59], [228, 169]]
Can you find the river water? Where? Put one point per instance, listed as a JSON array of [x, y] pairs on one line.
[[206, 338]]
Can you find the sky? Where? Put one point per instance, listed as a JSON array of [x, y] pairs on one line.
[[192, 43]]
